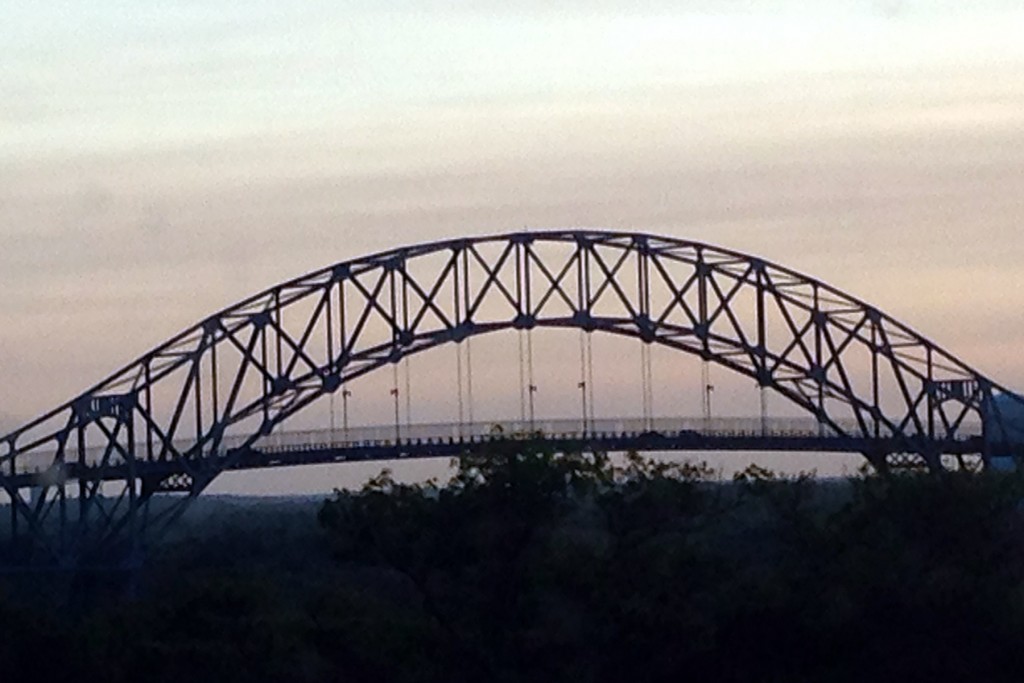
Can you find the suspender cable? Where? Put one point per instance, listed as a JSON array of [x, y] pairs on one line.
[[469, 380], [705, 389], [408, 395], [458, 380], [650, 387], [582, 385], [643, 383], [522, 380], [332, 415], [345, 395], [764, 410], [590, 375], [645, 378], [532, 387], [394, 394]]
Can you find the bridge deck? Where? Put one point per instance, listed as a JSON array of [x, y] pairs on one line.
[[445, 440]]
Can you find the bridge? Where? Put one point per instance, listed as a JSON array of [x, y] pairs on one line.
[[451, 439], [79, 481]]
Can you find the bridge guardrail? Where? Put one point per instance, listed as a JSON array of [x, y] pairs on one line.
[[563, 428]]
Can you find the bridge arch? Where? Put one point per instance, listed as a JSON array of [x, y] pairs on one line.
[[231, 379]]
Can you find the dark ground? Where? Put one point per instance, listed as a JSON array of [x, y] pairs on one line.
[[536, 567]]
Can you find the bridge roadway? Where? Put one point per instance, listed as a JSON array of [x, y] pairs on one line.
[[388, 442]]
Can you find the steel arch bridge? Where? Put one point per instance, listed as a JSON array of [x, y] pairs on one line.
[[79, 480]]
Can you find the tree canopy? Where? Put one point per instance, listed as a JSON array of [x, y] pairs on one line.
[[545, 566]]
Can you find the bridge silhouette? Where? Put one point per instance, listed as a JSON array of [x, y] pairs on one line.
[[79, 481]]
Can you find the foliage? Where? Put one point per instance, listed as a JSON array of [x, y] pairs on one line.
[[543, 566]]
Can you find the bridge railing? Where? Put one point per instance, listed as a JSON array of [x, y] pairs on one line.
[[550, 428], [565, 428]]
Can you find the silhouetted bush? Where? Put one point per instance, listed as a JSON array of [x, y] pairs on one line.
[[539, 566]]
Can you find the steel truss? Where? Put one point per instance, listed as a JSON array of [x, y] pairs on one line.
[[170, 421]]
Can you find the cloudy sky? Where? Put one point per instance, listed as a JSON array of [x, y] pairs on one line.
[[160, 160]]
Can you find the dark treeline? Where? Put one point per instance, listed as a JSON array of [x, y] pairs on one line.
[[544, 567]]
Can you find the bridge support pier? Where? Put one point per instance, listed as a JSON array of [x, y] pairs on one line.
[[879, 460]]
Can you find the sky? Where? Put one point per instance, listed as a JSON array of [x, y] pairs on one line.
[[161, 160]]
